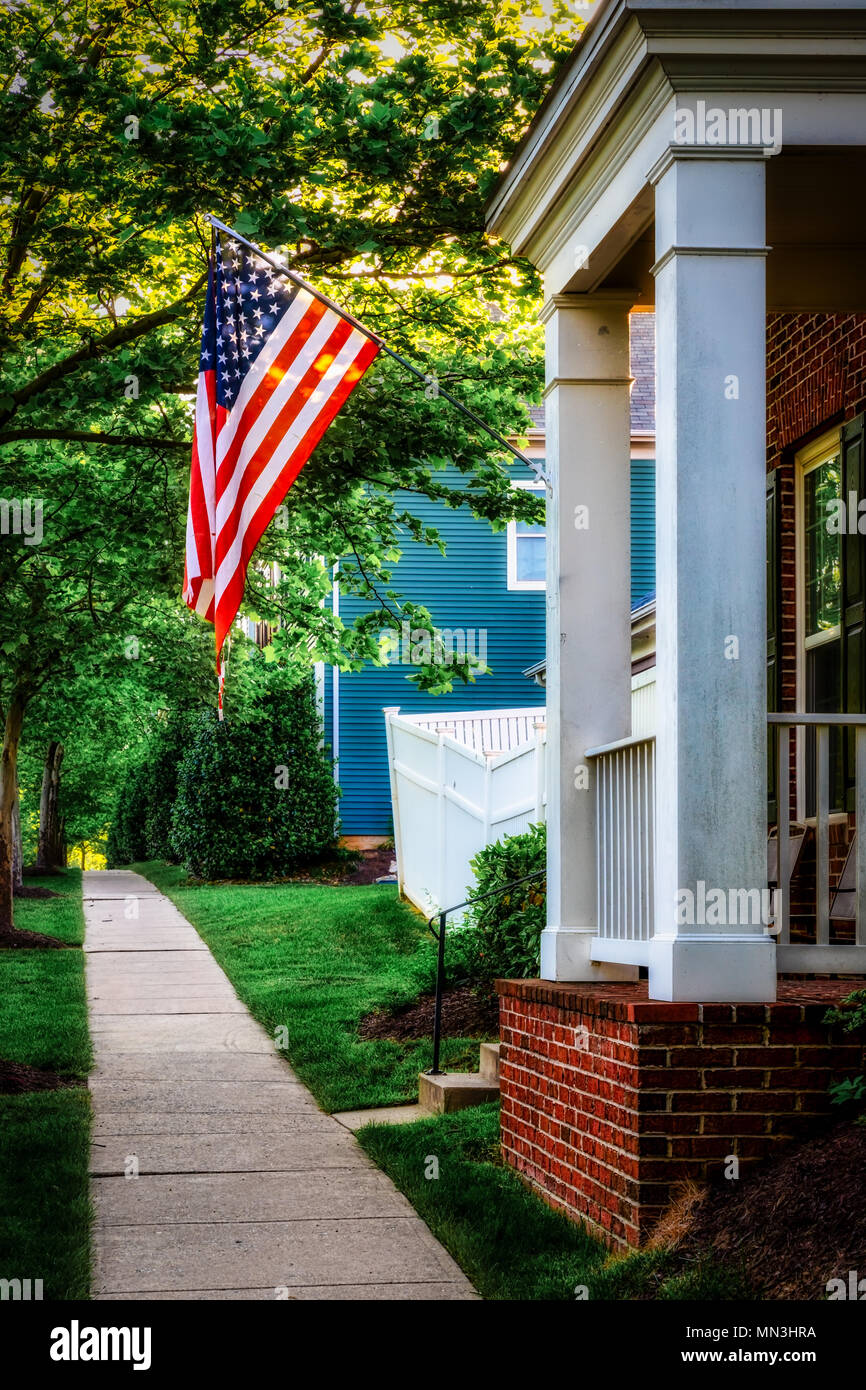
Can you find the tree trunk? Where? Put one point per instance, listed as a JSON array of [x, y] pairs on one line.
[[52, 846], [17, 848], [8, 793], [83, 857]]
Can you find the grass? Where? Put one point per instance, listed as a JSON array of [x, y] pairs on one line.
[[44, 1192], [313, 960], [510, 1244], [61, 917], [45, 1136]]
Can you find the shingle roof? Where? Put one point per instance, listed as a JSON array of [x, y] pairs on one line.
[[643, 369], [643, 393]]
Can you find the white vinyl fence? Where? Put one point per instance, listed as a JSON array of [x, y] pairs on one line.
[[459, 783], [462, 781]]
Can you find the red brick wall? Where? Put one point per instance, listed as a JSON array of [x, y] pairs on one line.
[[610, 1100], [816, 377]]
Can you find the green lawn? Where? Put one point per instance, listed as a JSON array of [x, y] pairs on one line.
[[61, 917], [313, 960], [45, 1136], [510, 1244]]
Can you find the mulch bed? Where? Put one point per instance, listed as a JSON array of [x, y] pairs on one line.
[[344, 868], [16, 1078], [793, 1223], [350, 868], [24, 940], [465, 1014], [26, 891]]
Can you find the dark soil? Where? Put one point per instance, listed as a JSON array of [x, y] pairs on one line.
[[16, 1078], [26, 891], [342, 868], [794, 1222], [465, 1014], [25, 940], [350, 867]]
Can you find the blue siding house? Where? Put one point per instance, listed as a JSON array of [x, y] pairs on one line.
[[488, 585]]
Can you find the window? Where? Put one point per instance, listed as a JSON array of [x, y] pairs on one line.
[[526, 550], [819, 604]]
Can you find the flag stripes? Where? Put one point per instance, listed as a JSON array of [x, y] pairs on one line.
[[276, 366]]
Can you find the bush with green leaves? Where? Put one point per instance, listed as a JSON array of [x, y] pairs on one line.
[[851, 1014], [126, 836], [508, 926], [501, 936], [160, 774], [255, 799]]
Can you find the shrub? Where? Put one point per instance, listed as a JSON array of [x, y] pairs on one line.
[[255, 799], [851, 1014], [508, 927], [160, 784], [126, 837], [499, 938]]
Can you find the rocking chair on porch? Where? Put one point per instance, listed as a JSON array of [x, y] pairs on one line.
[[796, 841], [843, 904]]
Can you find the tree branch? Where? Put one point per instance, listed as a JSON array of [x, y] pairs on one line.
[[97, 347], [141, 441]]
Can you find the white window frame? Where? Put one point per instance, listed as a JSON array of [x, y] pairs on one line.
[[805, 461], [516, 585]]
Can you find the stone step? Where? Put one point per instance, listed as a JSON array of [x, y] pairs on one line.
[[489, 1064], [454, 1090]]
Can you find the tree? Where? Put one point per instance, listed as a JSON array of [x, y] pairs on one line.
[[51, 853], [362, 140]]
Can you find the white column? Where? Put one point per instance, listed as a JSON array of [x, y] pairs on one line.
[[588, 603], [710, 942]]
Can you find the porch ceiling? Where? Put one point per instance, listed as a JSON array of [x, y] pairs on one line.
[[575, 198], [816, 229]]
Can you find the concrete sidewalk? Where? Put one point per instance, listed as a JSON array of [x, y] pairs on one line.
[[244, 1189]]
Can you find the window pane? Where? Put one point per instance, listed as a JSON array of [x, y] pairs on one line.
[[530, 556], [823, 574]]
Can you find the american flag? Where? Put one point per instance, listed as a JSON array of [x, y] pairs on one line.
[[276, 366]]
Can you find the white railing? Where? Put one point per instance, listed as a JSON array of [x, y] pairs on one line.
[[452, 796], [487, 731], [823, 955], [625, 848]]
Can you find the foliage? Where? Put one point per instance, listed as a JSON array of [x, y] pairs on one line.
[[160, 775], [360, 142], [126, 836], [851, 1015], [255, 799], [507, 927]]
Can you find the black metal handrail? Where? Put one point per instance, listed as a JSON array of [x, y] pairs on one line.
[[439, 937]]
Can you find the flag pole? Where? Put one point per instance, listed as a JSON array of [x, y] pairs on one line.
[[292, 275]]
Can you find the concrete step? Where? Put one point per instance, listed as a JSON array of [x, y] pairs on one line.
[[454, 1090], [489, 1064]]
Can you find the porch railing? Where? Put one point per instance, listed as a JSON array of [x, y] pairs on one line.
[[625, 850], [821, 956]]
